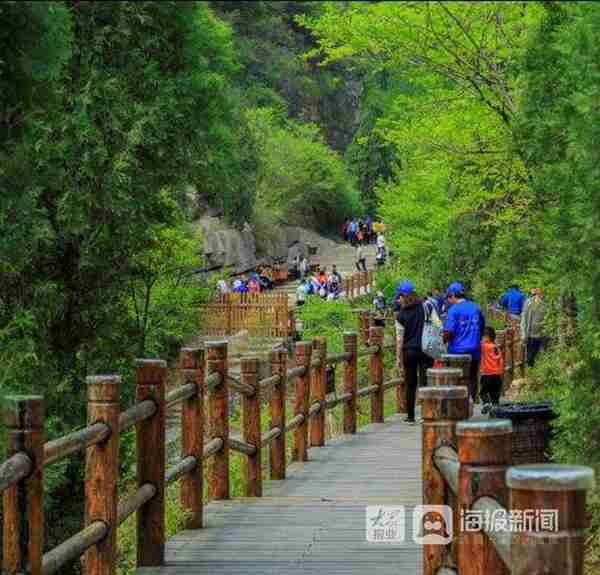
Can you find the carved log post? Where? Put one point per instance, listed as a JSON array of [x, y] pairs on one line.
[[191, 363], [301, 405], [376, 338], [150, 443], [443, 408], [448, 376], [278, 360], [509, 358], [484, 452], [252, 428], [218, 414], [318, 391], [551, 500], [350, 381], [364, 323], [102, 473], [23, 538]]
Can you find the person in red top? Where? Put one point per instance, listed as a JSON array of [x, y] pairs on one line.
[[491, 369]]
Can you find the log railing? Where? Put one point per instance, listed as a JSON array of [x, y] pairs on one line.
[[517, 520], [359, 283], [204, 397]]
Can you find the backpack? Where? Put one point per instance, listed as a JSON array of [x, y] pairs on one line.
[[432, 342]]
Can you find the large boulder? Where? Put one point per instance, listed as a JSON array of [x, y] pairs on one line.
[[229, 247]]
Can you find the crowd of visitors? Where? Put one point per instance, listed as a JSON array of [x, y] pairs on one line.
[[428, 324], [256, 282], [322, 284]]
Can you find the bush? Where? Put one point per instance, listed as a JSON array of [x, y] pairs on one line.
[[301, 181]]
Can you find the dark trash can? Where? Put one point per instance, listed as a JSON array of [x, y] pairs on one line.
[[532, 429]]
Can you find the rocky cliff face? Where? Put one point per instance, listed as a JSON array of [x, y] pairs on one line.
[[236, 249]]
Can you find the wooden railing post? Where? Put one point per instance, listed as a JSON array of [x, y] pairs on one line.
[[318, 386], [510, 359], [218, 413], [301, 405], [543, 544], [445, 376], [191, 363], [23, 538], [102, 472], [484, 453], [364, 324], [462, 361], [376, 339], [278, 360], [443, 407], [150, 443], [251, 428], [351, 287], [350, 381]]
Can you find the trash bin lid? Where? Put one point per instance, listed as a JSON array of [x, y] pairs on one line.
[[516, 411]]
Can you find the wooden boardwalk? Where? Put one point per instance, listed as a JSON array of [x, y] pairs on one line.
[[314, 521]]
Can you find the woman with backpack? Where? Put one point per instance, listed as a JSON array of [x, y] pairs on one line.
[[411, 316]]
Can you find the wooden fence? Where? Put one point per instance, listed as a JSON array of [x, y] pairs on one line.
[[262, 315], [359, 283], [267, 314], [521, 520], [204, 395]]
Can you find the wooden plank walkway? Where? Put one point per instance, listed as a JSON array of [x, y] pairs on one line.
[[314, 521]]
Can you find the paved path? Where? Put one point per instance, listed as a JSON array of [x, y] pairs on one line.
[[314, 521]]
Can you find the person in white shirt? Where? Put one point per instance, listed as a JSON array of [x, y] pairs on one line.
[[380, 241], [301, 293], [361, 260]]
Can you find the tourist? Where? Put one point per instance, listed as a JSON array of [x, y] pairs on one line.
[[492, 370], [361, 259], [532, 323], [346, 230], [240, 285], [513, 300], [254, 284], [380, 256], [353, 230], [380, 306], [222, 287], [463, 330], [335, 274], [303, 267], [301, 292], [412, 319]]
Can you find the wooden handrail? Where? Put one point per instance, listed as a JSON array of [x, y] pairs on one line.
[[446, 461], [14, 469], [183, 466], [237, 385], [237, 444], [99, 439], [74, 547], [180, 394], [74, 442], [137, 413], [480, 480]]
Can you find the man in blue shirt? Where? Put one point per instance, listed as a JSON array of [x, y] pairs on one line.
[[463, 330], [513, 300]]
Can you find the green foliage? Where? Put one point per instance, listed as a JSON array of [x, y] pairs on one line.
[[175, 518], [300, 180], [328, 319]]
